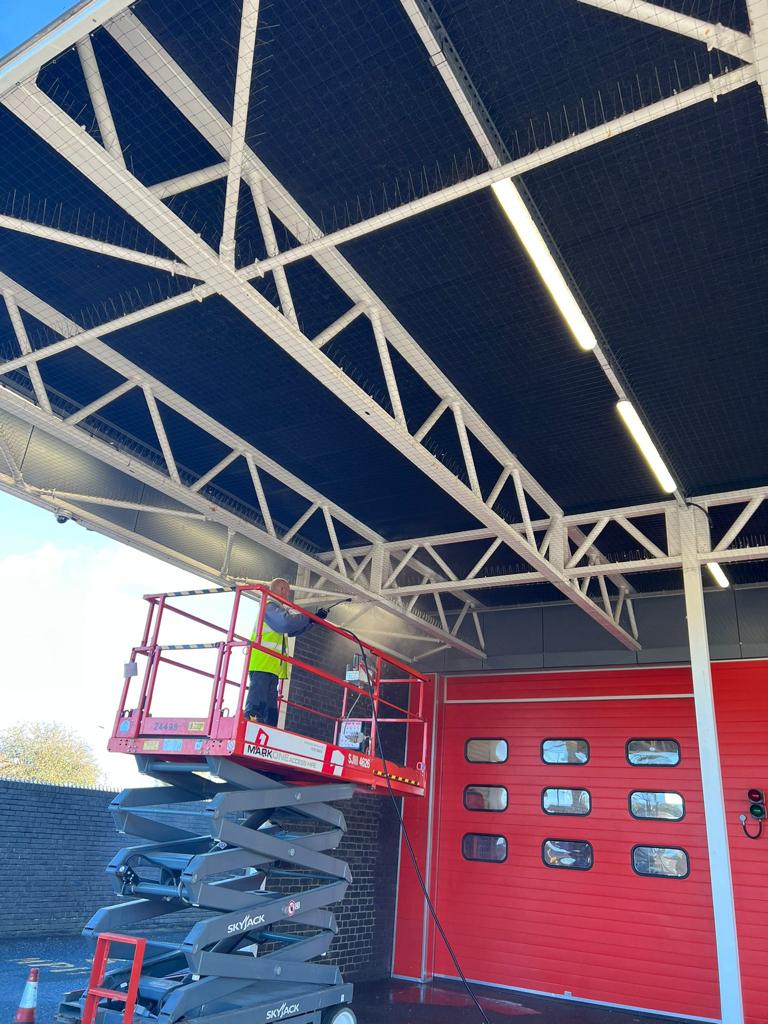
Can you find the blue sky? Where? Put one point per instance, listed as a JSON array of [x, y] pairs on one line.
[[21, 20], [26, 528]]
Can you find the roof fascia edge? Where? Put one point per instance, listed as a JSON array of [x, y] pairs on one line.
[[26, 60]]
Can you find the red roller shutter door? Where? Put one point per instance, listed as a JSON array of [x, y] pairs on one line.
[[604, 934]]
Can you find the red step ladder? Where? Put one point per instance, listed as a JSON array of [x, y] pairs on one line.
[[94, 993]]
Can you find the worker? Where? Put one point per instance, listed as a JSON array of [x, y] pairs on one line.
[[267, 670]]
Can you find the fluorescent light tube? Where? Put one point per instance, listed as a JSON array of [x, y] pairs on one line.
[[513, 206], [717, 574], [646, 445]]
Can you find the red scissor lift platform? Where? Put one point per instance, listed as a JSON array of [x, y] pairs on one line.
[[246, 822], [223, 730]]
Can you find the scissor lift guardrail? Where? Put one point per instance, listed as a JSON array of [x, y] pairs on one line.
[[223, 730]]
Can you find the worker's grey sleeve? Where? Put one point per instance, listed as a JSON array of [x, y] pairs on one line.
[[286, 622]]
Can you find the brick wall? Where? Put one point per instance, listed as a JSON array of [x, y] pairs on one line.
[[323, 647], [56, 841]]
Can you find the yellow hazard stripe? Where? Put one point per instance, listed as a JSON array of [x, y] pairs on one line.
[[396, 778]]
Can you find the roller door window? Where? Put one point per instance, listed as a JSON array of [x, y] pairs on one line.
[[486, 751], [566, 801], [486, 798], [480, 846], [664, 806], [570, 854], [563, 751], [660, 861], [653, 753]]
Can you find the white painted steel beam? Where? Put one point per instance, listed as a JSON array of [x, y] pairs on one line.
[[193, 179], [758, 23], [711, 90], [714, 37], [56, 497], [100, 403], [726, 935], [749, 500], [24, 344], [387, 369], [162, 437], [330, 332], [518, 206], [16, 477], [430, 422], [52, 124], [181, 91], [255, 459], [270, 243], [214, 471], [261, 497], [118, 252], [80, 338], [98, 95], [248, 24], [91, 520], [139, 470]]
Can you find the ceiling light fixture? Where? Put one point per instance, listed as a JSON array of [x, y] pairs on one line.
[[645, 444], [718, 575], [527, 231]]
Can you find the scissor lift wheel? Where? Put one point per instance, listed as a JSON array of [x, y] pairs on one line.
[[339, 1015]]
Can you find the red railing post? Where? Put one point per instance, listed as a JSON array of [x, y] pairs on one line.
[[123, 696], [258, 631], [148, 623], [148, 684], [151, 670], [221, 688], [343, 716], [215, 689]]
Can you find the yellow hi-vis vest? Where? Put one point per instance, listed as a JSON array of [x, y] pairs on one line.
[[263, 662]]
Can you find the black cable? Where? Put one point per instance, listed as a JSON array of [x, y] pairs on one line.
[[406, 837], [695, 504], [745, 830]]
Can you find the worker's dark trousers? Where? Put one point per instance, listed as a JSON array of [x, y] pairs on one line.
[[262, 697]]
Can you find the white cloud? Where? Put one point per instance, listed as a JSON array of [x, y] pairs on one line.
[[70, 616]]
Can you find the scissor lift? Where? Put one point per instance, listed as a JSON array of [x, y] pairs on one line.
[[243, 827]]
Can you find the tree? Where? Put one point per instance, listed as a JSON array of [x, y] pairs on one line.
[[47, 752]]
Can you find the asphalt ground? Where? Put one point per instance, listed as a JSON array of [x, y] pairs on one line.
[[65, 962]]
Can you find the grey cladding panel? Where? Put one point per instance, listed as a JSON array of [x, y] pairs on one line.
[[722, 624], [518, 633], [571, 638], [753, 622]]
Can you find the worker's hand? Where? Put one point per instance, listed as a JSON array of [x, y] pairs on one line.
[[322, 613]]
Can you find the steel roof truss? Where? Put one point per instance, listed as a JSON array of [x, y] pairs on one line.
[[50, 122], [718, 37], [584, 564], [171, 79], [191, 494], [751, 48]]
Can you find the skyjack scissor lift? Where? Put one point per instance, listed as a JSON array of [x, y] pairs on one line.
[[243, 827]]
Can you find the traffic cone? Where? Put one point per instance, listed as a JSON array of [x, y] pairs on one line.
[[26, 1011]]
